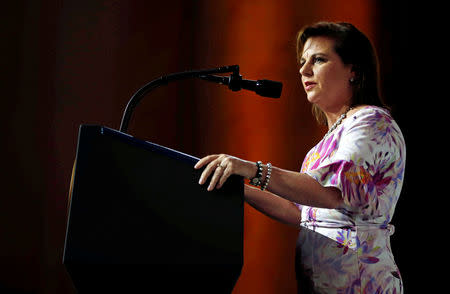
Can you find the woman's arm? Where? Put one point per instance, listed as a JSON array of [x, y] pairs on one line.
[[273, 206], [303, 189], [292, 186]]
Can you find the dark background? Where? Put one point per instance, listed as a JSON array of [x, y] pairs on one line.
[[66, 63]]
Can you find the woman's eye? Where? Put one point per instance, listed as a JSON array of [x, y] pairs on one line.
[[319, 60]]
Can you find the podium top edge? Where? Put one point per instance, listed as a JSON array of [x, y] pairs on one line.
[[102, 130]]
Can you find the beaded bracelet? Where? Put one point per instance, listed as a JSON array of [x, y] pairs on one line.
[[266, 182], [257, 180]]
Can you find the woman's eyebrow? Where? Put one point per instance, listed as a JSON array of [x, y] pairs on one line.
[[319, 53], [315, 55]]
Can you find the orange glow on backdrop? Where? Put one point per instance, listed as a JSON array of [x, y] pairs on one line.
[[258, 27]]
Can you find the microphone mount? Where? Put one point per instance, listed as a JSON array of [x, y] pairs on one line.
[[235, 82]]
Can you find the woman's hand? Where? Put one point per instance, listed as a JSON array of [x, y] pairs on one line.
[[223, 166]]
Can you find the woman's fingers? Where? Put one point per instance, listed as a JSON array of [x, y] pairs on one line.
[[202, 162], [205, 160], [209, 169], [216, 176], [220, 168], [214, 167], [226, 173]]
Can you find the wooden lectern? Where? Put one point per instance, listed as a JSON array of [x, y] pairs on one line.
[[139, 222]]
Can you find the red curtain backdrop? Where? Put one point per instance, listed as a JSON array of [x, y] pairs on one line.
[[76, 62]]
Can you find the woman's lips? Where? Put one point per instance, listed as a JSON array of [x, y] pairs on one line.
[[309, 85]]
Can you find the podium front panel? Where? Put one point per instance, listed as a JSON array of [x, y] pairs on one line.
[[137, 207]]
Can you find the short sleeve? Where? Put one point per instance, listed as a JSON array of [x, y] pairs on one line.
[[354, 182], [353, 166]]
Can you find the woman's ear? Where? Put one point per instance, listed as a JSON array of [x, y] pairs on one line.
[[354, 76]]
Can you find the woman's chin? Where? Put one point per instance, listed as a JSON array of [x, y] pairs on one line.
[[312, 99]]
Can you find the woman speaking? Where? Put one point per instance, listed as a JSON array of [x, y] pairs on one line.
[[344, 196]]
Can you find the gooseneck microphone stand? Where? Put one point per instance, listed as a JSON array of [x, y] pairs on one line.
[[164, 80], [235, 82]]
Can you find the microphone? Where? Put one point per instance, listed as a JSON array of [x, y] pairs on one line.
[[235, 82]]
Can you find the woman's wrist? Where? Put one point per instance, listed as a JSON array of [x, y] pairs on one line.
[[256, 176], [265, 182], [261, 175]]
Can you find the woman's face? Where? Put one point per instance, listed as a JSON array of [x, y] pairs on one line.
[[325, 77]]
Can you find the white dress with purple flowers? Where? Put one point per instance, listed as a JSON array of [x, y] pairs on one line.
[[347, 250]]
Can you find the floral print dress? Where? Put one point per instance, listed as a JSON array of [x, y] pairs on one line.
[[347, 250]]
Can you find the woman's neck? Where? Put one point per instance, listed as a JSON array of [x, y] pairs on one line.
[[333, 115]]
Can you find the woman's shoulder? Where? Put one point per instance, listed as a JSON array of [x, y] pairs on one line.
[[369, 112], [374, 123], [369, 116]]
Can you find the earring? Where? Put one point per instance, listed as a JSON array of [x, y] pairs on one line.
[[352, 80]]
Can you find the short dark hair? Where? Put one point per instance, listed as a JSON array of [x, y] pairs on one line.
[[354, 48]]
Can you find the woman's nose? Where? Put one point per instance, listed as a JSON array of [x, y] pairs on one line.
[[305, 69]]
